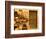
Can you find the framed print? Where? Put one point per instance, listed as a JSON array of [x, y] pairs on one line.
[[24, 19]]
